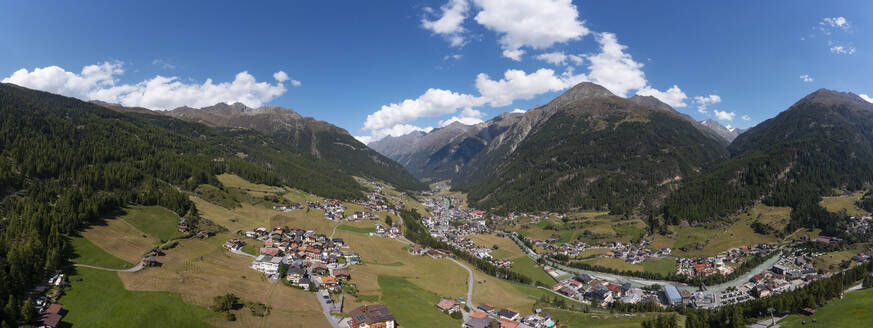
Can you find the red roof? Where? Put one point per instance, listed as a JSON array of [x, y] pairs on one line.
[[613, 288], [54, 308], [505, 323], [479, 314]]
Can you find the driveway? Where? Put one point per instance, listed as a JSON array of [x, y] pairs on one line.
[[328, 308]]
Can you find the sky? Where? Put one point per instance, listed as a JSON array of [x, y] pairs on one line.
[[378, 68]]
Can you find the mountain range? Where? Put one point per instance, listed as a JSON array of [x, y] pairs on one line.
[[726, 133]]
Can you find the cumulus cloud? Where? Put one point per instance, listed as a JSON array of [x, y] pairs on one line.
[[843, 50], [537, 24], [450, 22], [468, 116], [554, 58], [835, 22], [514, 54], [746, 118], [704, 102], [280, 76], [724, 115], [100, 82], [806, 78], [517, 84], [434, 102], [163, 64], [866, 97], [613, 68], [519, 110], [673, 96]]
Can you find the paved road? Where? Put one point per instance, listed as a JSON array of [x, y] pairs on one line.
[[133, 269], [766, 323], [240, 252], [470, 282], [328, 308]]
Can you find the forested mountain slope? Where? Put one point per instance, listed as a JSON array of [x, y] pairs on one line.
[[308, 137], [589, 149], [823, 141]]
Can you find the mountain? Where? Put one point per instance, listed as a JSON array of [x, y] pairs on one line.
[[444, 152], [823, 141], [321, 140], [591, 149], [728, 134]]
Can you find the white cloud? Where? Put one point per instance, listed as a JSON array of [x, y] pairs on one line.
[[450, 23], [537, 24], [704, 102], [365, 139], [806, 78], [843, 50], [518, 110], [673, 96], [163, 64], [838, 22], [746, 118], [514, 54], [576, 59], [99, 82], [724, 115], [554, 58], [280, 76], [517, 84], [613, 68], [468, 116], [866, 97], [453, 56], [434, 102]]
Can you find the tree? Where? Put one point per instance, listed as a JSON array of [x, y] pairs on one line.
[[457, 315], [28, 311], [389, 221], [225, 303]]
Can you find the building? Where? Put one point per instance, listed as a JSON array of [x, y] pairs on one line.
[[448, 305], [671, 295], [371, 316], [267, 264]]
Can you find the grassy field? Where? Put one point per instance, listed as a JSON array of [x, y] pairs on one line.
[[98, 299], [831, 261], [153, 220], [350, 228], [228, 198], [506, 248], [528, 267], [86, 252], [844, 203], [199, 270], [593, 252], [120, 239], [412, 305], [253, 189], [664, 266], [852, 311], [575, 319]]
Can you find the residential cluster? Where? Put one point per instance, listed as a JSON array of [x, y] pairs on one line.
[[721, 263], [306, 259], [485, 316], [630, 252]]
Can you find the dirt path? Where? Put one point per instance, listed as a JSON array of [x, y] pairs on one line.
[[133, 269]]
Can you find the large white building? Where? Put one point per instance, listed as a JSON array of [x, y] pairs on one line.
[[267, 264]]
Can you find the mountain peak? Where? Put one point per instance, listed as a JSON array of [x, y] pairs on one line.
[[582, 91], [650, 101], [831, 97]]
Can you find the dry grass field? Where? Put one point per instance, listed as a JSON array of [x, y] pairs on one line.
[[844, 203], [506, 248], [120, 239]]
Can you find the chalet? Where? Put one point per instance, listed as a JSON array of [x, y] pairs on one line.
[[233, 244], [303, 283], [371, 316], [807, 311], [342, 274], [271, 251], [416, 250], [51, 318], [508, 314], [485, 307], [267, 264], [506, 323], [475, 322], [318, 268], [294, 274], [448, 305], [762, 291]]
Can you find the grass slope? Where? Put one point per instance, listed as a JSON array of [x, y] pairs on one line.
[[85, 252], [98, 299], [120, 239], [153, 220], [851, 312], [575, 319], [412, 305]]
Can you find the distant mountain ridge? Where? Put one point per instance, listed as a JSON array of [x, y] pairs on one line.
[[317, 138], [728, 134]]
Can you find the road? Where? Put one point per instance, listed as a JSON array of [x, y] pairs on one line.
[[639, 282], [133, 269], [470, 282], [240, 252], [328, 308]]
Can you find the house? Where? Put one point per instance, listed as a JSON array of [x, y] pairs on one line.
[[303, 283], [416, 250], [318, 268], [371, 316], [505, 323], [762, 291], [448, 305], [267, 264], [807, 311], [342, 274], [583, 278], [271, 251], [485, 307], [150, 261], [508, 314], [475, 322], [51, 318], [295, 273]]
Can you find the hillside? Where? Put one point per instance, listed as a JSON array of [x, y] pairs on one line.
[[589, 149], [307, 136], [443, 153], [823, 141]]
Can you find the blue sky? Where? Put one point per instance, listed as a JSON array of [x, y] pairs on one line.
[[389, 67]]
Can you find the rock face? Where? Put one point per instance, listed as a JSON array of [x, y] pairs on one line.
[[728, 134], [320, 139]]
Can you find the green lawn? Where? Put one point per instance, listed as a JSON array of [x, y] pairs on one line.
[[576, 319], [85, 252], [98, 299], [524, 265], [153, 220], [851, 311], [664, 266], [219, 197], [412, 305], [356, 229], [634, 232]]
